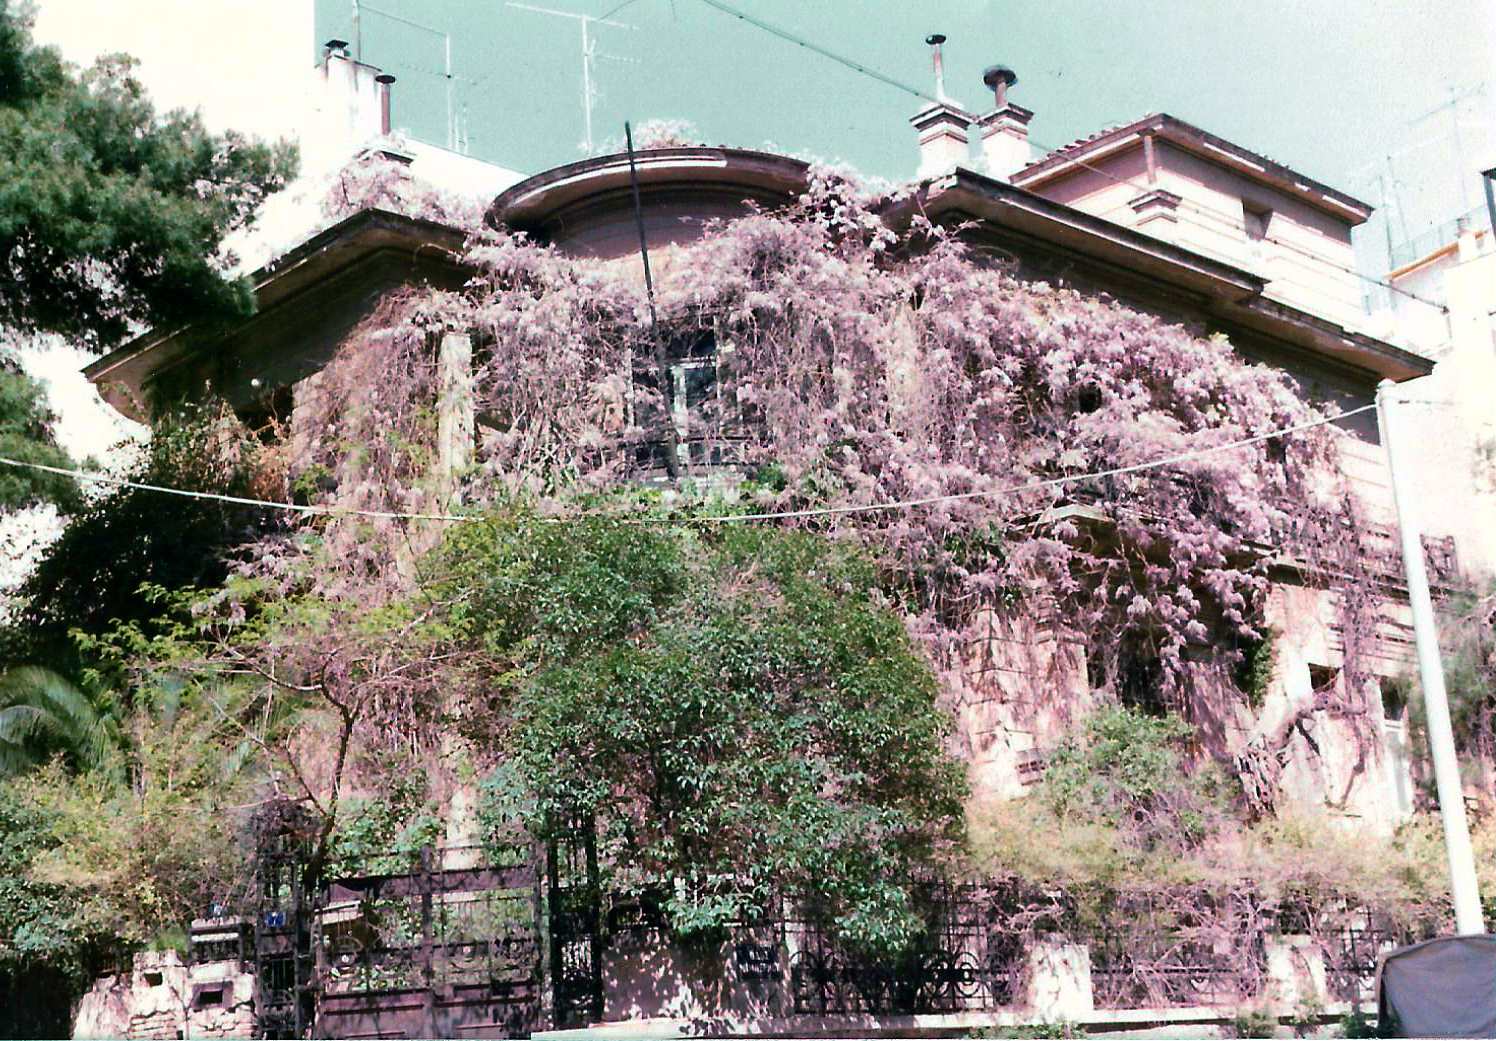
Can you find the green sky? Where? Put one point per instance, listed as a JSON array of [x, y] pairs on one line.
[[1330, 87]]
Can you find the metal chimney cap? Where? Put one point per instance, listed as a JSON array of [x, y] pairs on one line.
[[336, 45], [996, 74], [384, 77], [935, 39]]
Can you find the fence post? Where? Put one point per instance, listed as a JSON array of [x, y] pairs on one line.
[[428, 972]]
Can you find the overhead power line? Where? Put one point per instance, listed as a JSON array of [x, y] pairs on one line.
[[786, 35], [856, 66], [1052, 482]]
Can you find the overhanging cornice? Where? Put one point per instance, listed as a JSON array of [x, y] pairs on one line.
[[1229, 296], [123, 376]]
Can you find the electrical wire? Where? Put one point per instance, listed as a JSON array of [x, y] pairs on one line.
[[235, 500], [1053, 482], [785, 34]]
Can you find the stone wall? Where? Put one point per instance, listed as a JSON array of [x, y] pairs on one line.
[[1021, 684], [160, 998]]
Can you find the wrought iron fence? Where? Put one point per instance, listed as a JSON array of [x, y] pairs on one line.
[[966, 960], [437, 948], [1350, 938], [1176, 947]]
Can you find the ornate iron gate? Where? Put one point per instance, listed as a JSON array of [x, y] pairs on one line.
[[443, 949], [575, 919]]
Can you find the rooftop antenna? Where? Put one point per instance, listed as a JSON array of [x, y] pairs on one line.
[[446, 39], [1453, 105], [589, 92]]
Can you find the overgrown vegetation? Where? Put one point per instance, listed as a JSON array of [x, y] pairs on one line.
[[92, 579], [744, 710], [736, 710]]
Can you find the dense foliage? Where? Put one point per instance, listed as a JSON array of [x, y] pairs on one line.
[[1129, 772], [739, 714], [91, 578], [844, 367], [111, 216], [743, 707], [26, 437]]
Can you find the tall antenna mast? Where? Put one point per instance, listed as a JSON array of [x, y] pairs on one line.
[[1453, 106], [589, 92], [446, 39]]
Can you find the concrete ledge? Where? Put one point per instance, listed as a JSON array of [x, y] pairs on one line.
[[1193, 1022]]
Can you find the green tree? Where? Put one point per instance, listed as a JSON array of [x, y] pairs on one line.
[[111, 216], [42, 715], [26, 437], [90, 579], [1125, 770], [738, 712]]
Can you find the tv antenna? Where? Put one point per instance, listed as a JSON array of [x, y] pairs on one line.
[[446, 39], [589, 54]]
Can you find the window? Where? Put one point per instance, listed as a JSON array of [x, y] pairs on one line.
[[268, 415], [1394, 700], [1138, 683], [207, 996], [1322, 678], [694, 396], [1255, 219]]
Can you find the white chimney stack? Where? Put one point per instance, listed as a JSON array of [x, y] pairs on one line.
[[352, 108], [1005, 143], [942, 125]]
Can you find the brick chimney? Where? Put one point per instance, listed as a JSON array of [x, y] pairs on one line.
[[1005, 143], [941, 125]]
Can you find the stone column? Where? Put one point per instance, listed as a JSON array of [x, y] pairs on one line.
[[1059, 980], [454, 410], [1295, 972]]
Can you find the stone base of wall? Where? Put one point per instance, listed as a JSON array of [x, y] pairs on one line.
[[160, 998]]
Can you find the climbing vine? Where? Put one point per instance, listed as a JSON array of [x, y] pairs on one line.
[[845, 366]]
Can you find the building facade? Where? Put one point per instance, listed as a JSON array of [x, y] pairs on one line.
[[1163, 217]]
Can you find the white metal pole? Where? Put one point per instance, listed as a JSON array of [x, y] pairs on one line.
[[587, 84], [1462, 881]]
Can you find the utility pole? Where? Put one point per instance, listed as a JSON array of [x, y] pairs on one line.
[[589, 92], [1462, 880]]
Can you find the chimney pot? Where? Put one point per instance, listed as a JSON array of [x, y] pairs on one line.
[[998, 79], [941, 125], [384, 79], [1005, 146], [935, 40]]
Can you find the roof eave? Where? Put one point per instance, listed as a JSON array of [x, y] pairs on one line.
[[529, 200], [1192, 138], [121, 375], [1236, 296]]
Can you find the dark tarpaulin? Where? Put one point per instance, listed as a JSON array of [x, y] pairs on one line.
[[1440, 988]]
